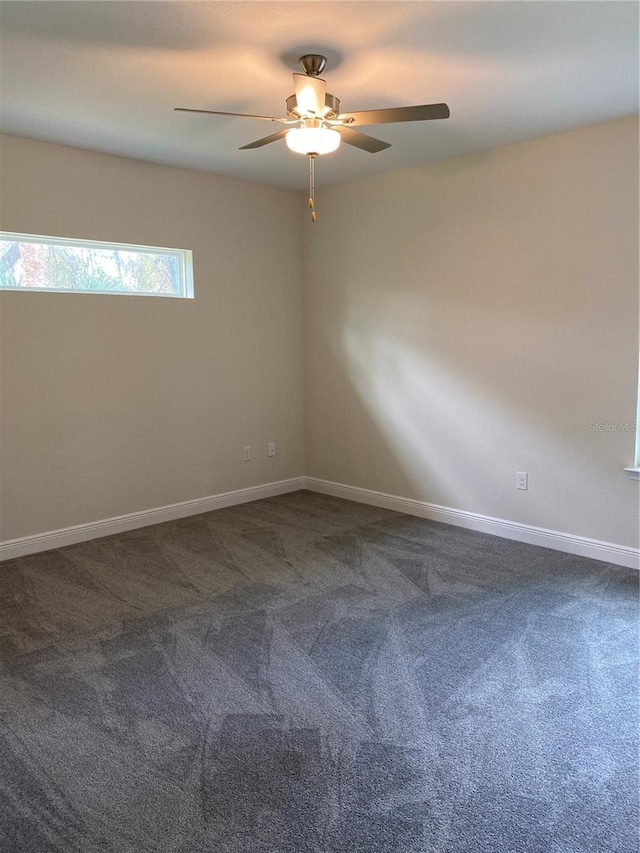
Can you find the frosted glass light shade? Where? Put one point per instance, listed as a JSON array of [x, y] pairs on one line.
[[313, 140]]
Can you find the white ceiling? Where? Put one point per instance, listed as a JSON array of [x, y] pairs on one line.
[[106, 76]]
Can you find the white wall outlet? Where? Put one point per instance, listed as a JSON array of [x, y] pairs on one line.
[[522, 480], [246, 454], [271, 448]]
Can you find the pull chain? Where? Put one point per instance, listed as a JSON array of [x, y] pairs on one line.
[[312, 185]]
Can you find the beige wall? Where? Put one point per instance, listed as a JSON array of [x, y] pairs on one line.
[[463, 321], [113, 404], [471, 319]]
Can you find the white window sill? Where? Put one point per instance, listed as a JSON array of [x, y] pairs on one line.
[[633, 473]]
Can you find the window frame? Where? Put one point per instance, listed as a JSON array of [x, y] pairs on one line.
[[184, 257]]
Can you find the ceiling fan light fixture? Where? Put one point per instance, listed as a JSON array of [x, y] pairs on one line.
[[313, 140], [316, 113]]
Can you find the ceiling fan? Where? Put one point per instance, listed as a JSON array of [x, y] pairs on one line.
[[315, 125]]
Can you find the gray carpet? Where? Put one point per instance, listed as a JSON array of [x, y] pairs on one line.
[[307, 675]]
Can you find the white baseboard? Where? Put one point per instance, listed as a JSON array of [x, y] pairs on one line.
[[93, 530], [620, 555]]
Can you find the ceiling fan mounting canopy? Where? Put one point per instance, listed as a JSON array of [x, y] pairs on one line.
[[312, 63]]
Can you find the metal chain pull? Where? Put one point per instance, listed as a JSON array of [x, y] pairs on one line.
[[312, 185]]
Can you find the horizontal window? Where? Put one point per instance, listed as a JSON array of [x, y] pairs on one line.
[[30, 262]]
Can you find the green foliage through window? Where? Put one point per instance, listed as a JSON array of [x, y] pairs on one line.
[[41, 263]]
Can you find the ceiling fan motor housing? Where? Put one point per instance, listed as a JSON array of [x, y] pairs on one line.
[[331, 107]]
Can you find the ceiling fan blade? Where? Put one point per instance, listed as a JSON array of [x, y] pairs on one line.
[[396, 114], [361, 140], [237, 115], [310, 94], [265, 140]]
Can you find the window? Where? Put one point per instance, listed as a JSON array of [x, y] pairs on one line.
[[29, 262], [634, 472]]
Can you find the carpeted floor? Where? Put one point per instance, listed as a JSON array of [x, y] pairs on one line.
[[307, 675]]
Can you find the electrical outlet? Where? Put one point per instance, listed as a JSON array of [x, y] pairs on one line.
[[246, 454], [522, 480], [271, 448]]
